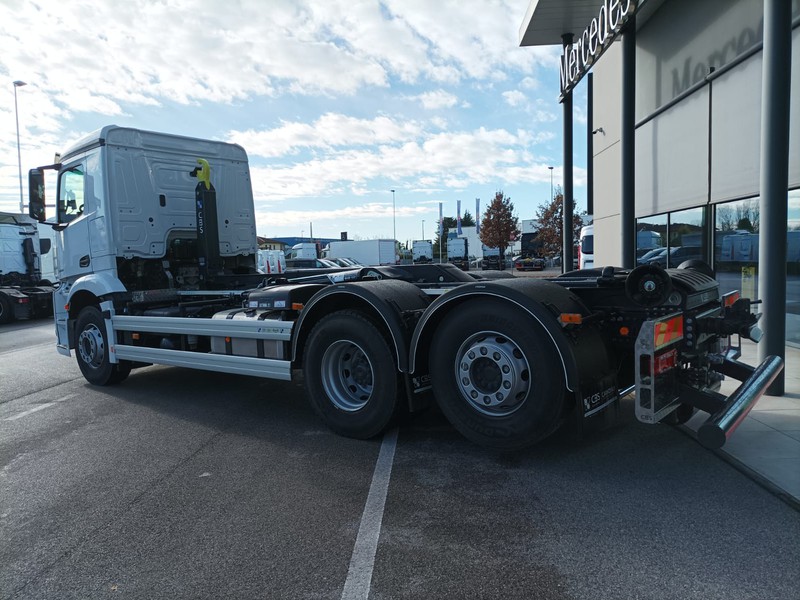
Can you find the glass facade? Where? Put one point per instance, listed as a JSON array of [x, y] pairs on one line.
[[669, 239]]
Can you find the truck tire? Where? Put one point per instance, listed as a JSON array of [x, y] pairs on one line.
[[91, 350], [351, 377], [6, 310], [496, 375]]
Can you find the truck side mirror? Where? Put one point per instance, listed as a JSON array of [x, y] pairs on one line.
[[36, 195]]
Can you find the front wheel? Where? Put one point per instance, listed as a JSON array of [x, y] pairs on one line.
[[496, 375], [351, 378], [91, 350]]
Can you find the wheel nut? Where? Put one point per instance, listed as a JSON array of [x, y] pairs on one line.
[[484, 351], [496, 356], [465, 381], [487, 400], [507, 385], [474, 394], [506, 369], [471, 355]]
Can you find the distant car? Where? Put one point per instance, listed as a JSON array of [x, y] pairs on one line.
[[310, 263], [676, 256], [492, 262], [681, 254], [653, 255], [527, 263]]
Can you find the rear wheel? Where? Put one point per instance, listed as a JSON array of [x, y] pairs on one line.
[[6, 311], [351, 378], [496, 375], [91, 350]]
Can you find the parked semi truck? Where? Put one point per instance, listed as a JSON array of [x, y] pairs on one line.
[[458, 252], [157, 246], [24, 293], [421, 251]]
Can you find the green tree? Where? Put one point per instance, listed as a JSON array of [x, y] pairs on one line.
[[499, 225], [551, 220], [467, 220]]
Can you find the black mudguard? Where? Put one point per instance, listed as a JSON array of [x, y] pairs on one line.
[[392, 304]]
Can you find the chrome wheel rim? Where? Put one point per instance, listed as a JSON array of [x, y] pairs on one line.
[[91, 346], [347, 376], [492, 374]]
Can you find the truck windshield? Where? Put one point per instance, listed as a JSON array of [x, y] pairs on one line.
[[70, 194]]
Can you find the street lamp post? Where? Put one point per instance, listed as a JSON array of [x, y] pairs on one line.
[[394, 218], [551, 183], [423, 229], [19, 155]]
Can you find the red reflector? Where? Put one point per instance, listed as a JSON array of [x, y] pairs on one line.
[[571, 318], [23, 300], [729, 299], [668, 331], [665, 362]]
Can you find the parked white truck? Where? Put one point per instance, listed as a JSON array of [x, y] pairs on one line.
[[364, 252], [421, 251], [157, 246], [24, 293], [458, 252]]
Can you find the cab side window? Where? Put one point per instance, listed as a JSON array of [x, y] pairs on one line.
[[70, 194]]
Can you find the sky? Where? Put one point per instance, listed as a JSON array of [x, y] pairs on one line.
[[336, 102]]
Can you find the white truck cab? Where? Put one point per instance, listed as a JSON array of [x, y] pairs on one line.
[[128, 218], [586, 248]]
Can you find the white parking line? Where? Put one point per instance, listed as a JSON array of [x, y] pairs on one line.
[[40, 407], [359, 575], [30, 411]]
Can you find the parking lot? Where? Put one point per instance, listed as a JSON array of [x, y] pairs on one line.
[[189, 484]]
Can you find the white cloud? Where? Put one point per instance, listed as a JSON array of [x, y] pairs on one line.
[[192, 51], [331, 99], [434, 161], [514, 97], [330, 130], [437, 99]]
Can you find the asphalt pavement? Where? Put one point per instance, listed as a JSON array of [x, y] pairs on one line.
[[188, 484]]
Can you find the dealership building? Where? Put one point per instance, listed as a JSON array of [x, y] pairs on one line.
[[693, 134]]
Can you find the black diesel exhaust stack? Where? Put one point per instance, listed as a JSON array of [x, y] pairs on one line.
[[205, 195]]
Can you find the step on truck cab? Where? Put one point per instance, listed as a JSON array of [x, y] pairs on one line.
[[158, 238]]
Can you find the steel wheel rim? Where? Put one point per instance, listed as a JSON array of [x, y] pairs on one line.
[[347, 376], [492, 374], [92, 347]]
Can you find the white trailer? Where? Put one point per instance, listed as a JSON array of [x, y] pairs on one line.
[[364, 252], [153, 269]]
